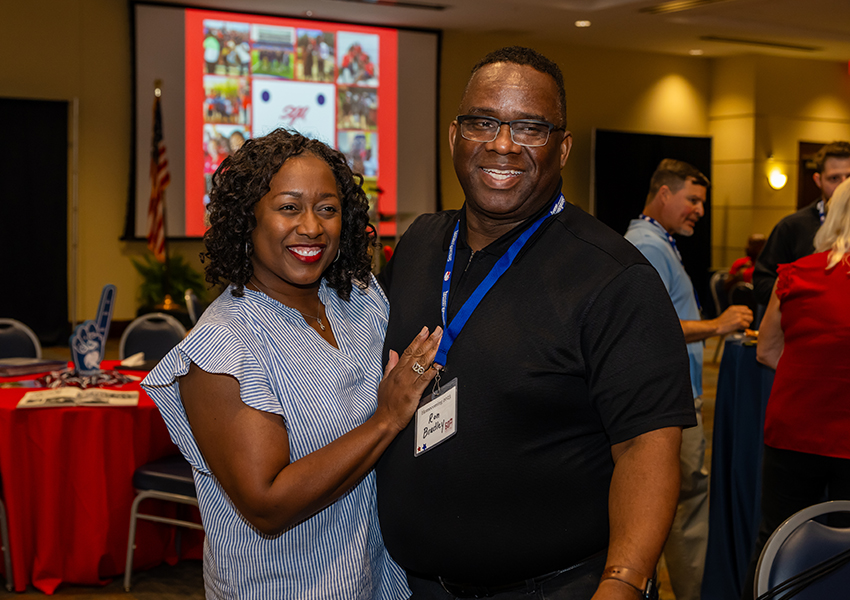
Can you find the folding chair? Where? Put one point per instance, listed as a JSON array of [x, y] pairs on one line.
[[17, 340], [170, 479], [801, 543], [717, 285], [154, 334]]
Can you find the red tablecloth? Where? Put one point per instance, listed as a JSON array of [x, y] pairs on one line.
[[67, 483]]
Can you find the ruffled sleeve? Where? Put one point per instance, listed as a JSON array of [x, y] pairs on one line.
[[785, 279], [218, 349]]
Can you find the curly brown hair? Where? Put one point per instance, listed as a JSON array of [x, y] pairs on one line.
[[244, 177]]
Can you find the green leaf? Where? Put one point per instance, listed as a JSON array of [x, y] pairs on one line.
[[156, 283]]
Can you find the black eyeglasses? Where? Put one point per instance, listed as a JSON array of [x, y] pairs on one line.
[[524, 132]]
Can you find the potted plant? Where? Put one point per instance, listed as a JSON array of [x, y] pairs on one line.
[[163, 284]]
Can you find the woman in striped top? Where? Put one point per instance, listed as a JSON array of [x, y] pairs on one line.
[[277, 397]]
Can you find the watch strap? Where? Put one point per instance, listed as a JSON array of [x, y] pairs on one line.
[[632, 577]]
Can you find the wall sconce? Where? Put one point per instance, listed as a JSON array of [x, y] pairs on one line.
[[776, 178]]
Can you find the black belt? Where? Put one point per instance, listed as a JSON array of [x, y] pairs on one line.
[[463, 590]]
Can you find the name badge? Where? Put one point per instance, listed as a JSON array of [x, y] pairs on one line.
[[436, 421]]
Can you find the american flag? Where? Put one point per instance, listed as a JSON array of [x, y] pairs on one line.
[[159, 181]]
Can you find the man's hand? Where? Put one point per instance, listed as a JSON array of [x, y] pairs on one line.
[[733, 318]]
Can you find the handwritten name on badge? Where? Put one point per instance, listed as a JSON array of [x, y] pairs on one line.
[[436, 421]]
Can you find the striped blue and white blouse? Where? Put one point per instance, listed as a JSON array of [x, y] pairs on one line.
[[284, 367]]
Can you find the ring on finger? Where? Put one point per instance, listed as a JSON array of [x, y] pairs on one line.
[[418, 368]]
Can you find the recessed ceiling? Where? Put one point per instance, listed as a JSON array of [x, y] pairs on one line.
[[817, 29]]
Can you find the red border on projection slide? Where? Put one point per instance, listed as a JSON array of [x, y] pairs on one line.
[[387, 98]]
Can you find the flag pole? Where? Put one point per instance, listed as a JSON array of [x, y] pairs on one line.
[[160, 179], [167, 303]]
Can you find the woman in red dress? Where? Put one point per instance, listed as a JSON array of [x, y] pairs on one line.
[[805, 336]]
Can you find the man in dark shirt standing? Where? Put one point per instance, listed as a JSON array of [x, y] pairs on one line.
[[793, 237], [546, 458]]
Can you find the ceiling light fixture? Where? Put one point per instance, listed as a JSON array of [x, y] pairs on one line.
[[582, 23], [729, 40], [677, 6]]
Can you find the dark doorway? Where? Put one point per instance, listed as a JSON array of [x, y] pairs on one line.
[[34, 216], [807, 191], [623, 165]]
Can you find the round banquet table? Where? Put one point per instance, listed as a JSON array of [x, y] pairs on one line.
[[66, 478], [743, 388]]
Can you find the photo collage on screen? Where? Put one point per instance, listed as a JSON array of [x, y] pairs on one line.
[[227, 93], [320, 82], [357, 108]]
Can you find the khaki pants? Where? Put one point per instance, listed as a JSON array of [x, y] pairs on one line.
[[684, 551]]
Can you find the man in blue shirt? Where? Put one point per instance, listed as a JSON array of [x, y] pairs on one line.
[[674, 204]]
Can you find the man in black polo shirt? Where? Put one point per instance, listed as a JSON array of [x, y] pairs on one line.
[[794, 236], [547, 459]]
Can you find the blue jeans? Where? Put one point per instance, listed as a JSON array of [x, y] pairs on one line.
[[576, 583]]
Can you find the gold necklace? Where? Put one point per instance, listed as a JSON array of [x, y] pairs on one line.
[[318, 316]]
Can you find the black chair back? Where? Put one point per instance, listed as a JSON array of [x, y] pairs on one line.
[[155, 334], [717, 284], [18, 340], [801, 543], [169, 478]]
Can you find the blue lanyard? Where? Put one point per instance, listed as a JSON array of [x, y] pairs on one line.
[[452, 330], [669, 235], [821, 210], [672, 241]]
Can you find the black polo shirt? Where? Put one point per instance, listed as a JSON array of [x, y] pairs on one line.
[[791, 239], [577, 347]]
